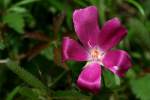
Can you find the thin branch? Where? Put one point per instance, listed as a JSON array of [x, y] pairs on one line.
[[3, 61]]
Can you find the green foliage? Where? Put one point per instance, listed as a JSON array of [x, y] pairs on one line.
[[131, 74], [26, 76], [109, 79], [70, 95], [17, 9], [141, 87], [25, 2], [29, 93], [26, 92], [138, 6], [6, 3], [48, 53], [13, 93], [2, 46], [14, 21], [31, 33], [137, 27]]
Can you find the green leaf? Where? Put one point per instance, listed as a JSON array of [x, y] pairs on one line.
[[24, 2], [24, 91], [117, 79], [147, 24], [139, 33], [137, 5], [136, 55], [141, 87], [48, 52], [131, 74], [3, 76], [146, 7], [69, 16], [12, 94], [109, 80], [6, 3], [102, 9], [14, 21], [26, 76], [79, 2], [2, 45], [57, 4], [57, 78], [95, 2], [28, 93], [69, 95], [17, 9]]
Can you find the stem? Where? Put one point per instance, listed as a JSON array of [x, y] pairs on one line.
[[102, 9], [57, 22], [58, 78], [13, 93], [3, 61]]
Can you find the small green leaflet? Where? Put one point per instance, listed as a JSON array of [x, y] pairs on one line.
[[141, 87], [15, 21]]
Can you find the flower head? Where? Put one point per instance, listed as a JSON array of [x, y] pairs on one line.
[[96, 48]]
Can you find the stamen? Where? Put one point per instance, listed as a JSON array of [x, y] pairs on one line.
[[96, 54]]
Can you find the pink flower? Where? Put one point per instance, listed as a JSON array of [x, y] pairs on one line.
[[95, 48]]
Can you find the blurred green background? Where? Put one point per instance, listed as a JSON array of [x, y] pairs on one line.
[[30, 39]]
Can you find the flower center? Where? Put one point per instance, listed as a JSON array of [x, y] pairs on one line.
[[96, 54]]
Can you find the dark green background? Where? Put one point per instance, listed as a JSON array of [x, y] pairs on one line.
[[30, 39]]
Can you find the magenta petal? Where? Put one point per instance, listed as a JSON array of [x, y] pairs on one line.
[[72, 50], [117, 61], [111, 34], [86, 25], [90, 78]]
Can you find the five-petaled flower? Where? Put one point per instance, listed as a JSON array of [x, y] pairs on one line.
[[95, 48]]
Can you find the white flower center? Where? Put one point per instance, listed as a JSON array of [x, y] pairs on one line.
[[96, 55]]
